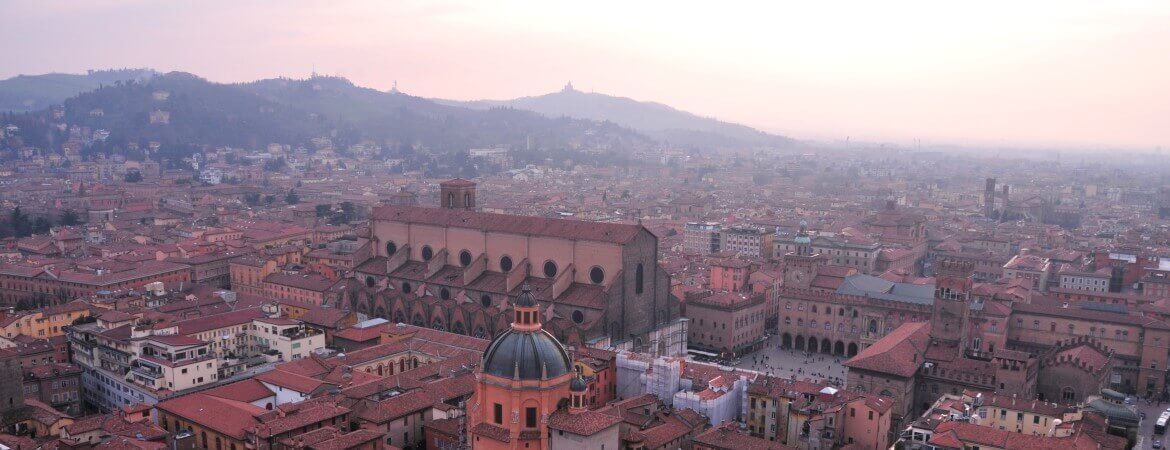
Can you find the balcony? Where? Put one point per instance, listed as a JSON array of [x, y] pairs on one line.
[[149, 372]]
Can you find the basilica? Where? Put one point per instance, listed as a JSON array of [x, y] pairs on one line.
[[456, 269]]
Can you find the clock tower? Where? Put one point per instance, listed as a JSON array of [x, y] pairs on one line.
[[800, 265]]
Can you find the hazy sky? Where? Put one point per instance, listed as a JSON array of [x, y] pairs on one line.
[[1028, 72]]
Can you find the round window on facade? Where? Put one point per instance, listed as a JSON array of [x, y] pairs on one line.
[[406, 287], [465, 258], [505, 263], [596, 275], [427, 253], [550, 269], [578, 317], [445, 294], [485, 300], [391, 248]]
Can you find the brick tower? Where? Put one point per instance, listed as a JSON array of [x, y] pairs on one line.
[[950, 321], [457, 194]]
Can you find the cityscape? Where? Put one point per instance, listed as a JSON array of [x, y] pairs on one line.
[[195, 257]]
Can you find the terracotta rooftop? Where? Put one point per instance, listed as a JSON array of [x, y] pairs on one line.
[[898, 353], [586, 423], [506, 223], [728, 436], [230, 417]]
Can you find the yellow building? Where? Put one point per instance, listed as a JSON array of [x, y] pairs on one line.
[[44, 323]]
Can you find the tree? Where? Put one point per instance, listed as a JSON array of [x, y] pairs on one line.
[[252, 198], [292, 198], [275, 165], [84, 320], [133, 176], [323, 210], [69, 217], [347, 211], [41, 225], [21, 226], [269, 199]]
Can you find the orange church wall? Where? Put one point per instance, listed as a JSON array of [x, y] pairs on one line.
[[514, 397]]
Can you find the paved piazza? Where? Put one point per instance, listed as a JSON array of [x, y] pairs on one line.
[[785, 363]]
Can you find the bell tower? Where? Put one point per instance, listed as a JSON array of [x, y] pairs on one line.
[[457, 194], [950, 320]]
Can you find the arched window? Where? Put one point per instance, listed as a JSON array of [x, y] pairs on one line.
[[578, 317], [596, 275], [505, 263], [638, 279], [465, 258], [427, 253], [370, 281], [467, 199], [445, 294], [485, 300], [451, 199], [550, 269], [391, 248], [406, 287]]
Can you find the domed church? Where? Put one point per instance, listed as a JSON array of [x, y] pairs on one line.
[[525, 376]]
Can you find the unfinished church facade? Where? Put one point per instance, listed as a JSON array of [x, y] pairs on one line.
[[458, 269]]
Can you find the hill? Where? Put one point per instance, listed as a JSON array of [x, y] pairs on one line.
[[197, 112], [407, 119], [655, 119], [183, 113], [33, 92]]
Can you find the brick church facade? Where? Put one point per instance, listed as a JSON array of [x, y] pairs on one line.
[[457, 269]]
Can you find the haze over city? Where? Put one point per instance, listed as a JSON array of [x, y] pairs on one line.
[[1081, 75], [506, 225]]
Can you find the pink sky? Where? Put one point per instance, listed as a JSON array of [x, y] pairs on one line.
[[1082, 74]]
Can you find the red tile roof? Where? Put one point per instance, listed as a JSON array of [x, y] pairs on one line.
[[958, 435], [248, 390], [491, 431], [230, 417], [585, 423], [208, 323], [507, 223], [899, 353], [359, 334], [728, 436], [289, 380]]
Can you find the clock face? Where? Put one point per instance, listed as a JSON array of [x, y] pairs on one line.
[[796, 276]]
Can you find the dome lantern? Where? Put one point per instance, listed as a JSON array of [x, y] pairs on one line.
[[526, 352]]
